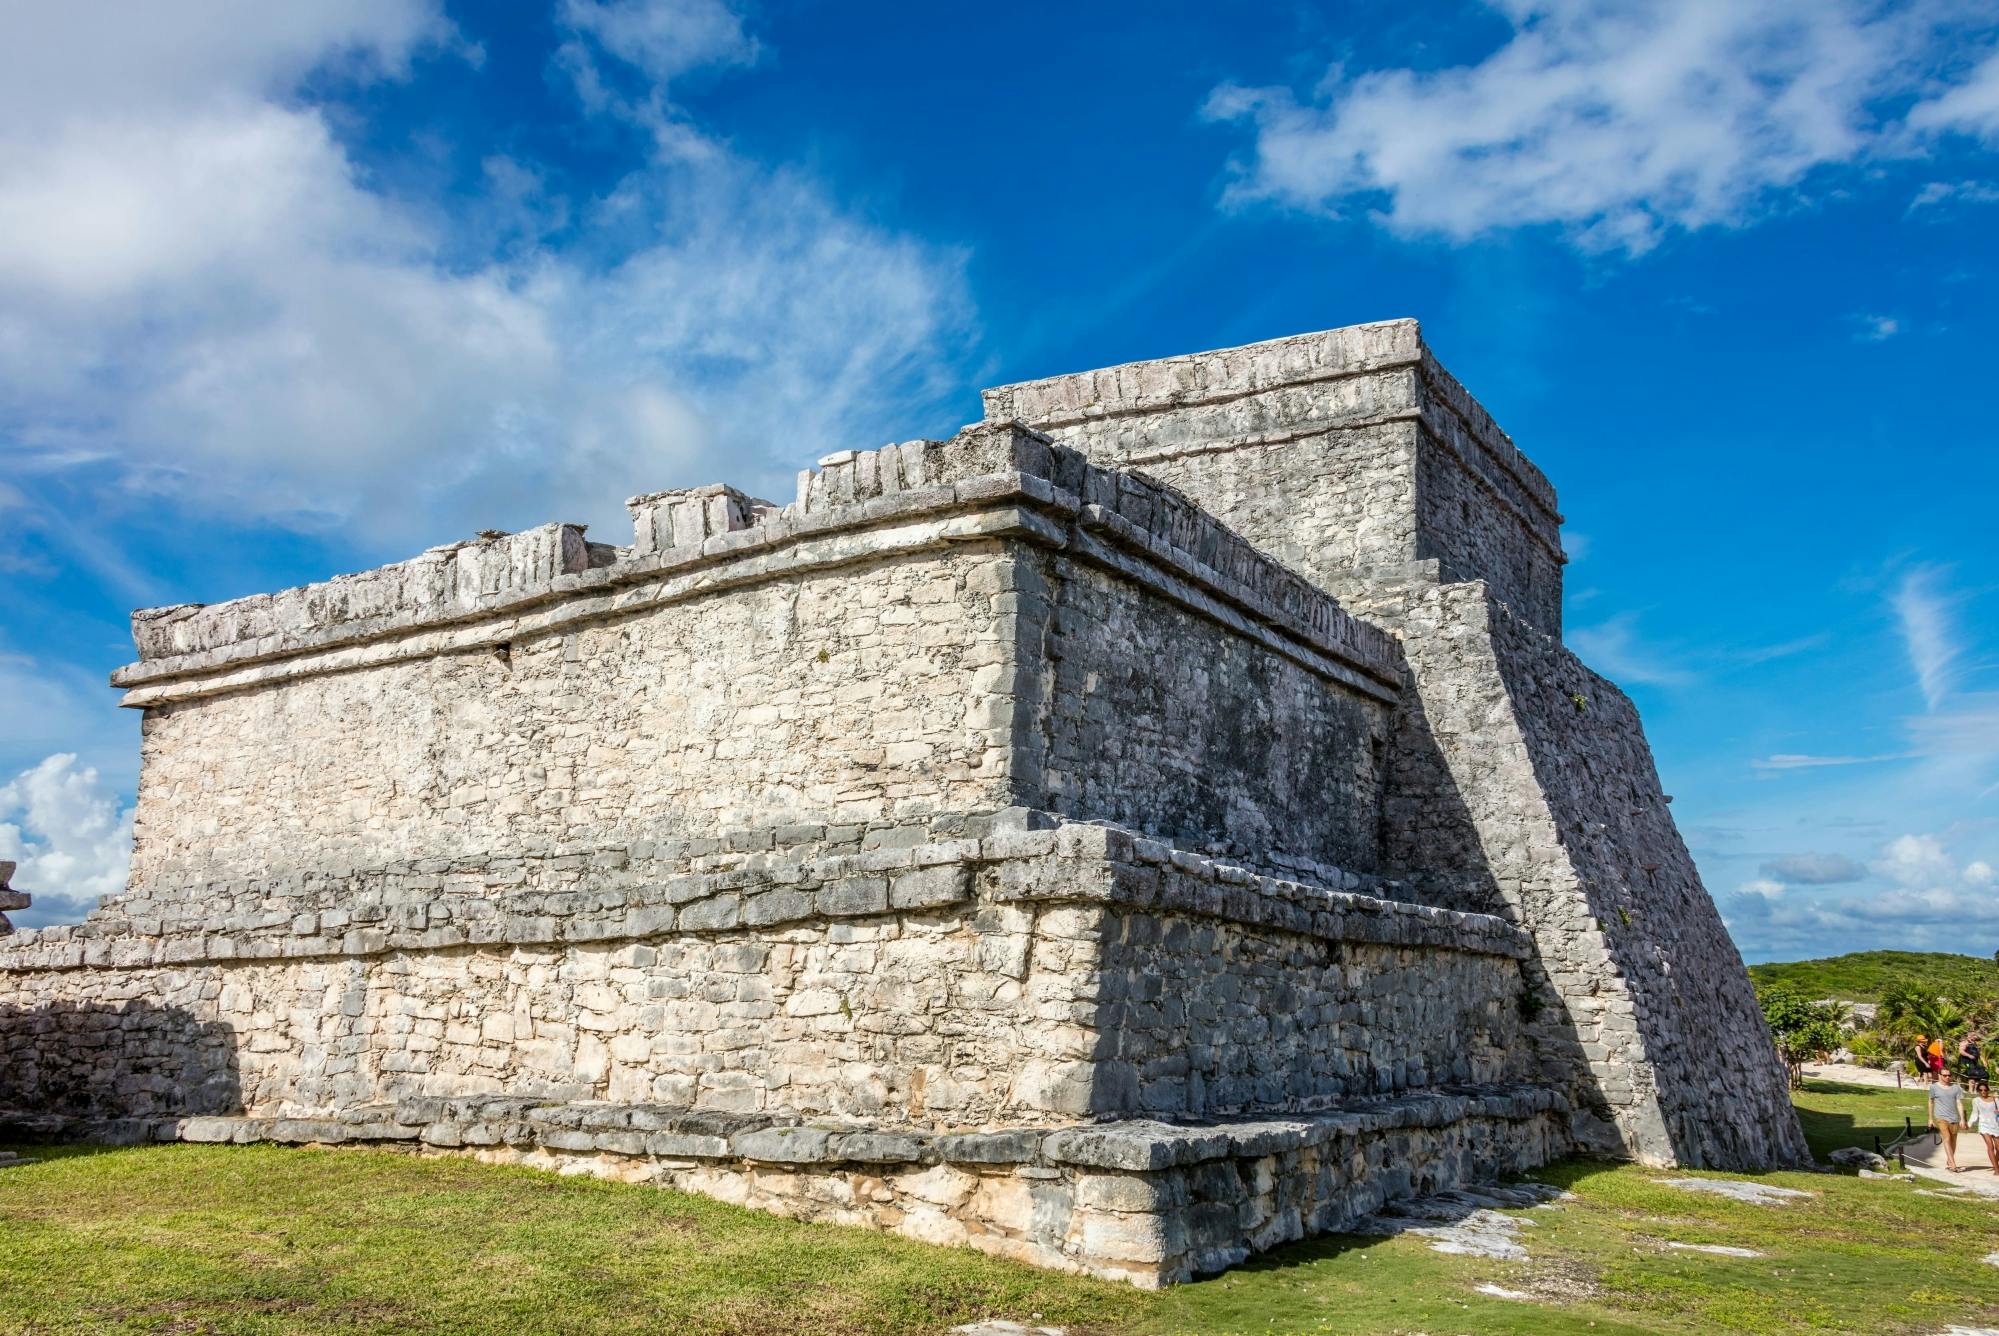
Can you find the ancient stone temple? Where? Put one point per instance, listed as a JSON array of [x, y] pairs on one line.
[[1159, 822]]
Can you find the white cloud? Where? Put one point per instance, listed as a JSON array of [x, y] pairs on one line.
[[1972, 107], [664, 38], [1930, 903], [1928, 633], [1614, 649], [201, 292], [1767, 926], [1613, 120], [1915, 860], [123, 59], [67, 832]]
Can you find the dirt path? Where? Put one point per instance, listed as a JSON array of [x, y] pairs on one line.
[[1852, 1074]]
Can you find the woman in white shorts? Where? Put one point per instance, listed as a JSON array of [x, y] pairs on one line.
[[1985, 1122]]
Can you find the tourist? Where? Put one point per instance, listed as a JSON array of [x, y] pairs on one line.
[[1985, 1122], [1971, 1057], [1946, 1112]]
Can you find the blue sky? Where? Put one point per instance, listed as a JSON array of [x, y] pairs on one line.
[[289, 290]]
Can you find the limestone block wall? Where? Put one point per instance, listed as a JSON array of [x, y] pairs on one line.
[[827, 697], [766, 745], [929, 628], [1030, 977], [906, 1017], [1534, 771], [1207, 1019], [1350, 455], [1156, 717]]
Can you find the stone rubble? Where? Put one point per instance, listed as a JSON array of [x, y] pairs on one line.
[[1467, 1222], [1157, 823]]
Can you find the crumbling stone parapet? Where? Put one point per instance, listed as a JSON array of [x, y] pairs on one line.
[[9, 897]]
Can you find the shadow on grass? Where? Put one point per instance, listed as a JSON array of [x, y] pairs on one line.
[[1835, 1114]]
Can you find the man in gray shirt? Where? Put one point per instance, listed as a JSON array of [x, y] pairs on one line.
[[1946, 1112]]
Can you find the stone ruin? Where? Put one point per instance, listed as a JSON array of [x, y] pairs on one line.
[[1157, 823], [9, 897]]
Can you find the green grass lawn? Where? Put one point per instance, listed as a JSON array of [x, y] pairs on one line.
[[259, 1239]]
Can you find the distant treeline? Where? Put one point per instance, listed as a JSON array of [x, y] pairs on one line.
[[1864, 976]]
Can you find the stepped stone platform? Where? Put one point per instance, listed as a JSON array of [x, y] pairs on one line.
[[1141, 1200], [1155, 824]]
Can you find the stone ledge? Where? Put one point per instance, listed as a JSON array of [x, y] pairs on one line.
[[679, 1132], [1069, 862]]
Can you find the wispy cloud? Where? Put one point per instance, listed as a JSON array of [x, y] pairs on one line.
[[1929, 636], [1614, 649], [1966, 724], [1614, 122], [1786, 649], [1935, 194], [1876, 328], [1801, 761], [1970, 107], [1814, 869]]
